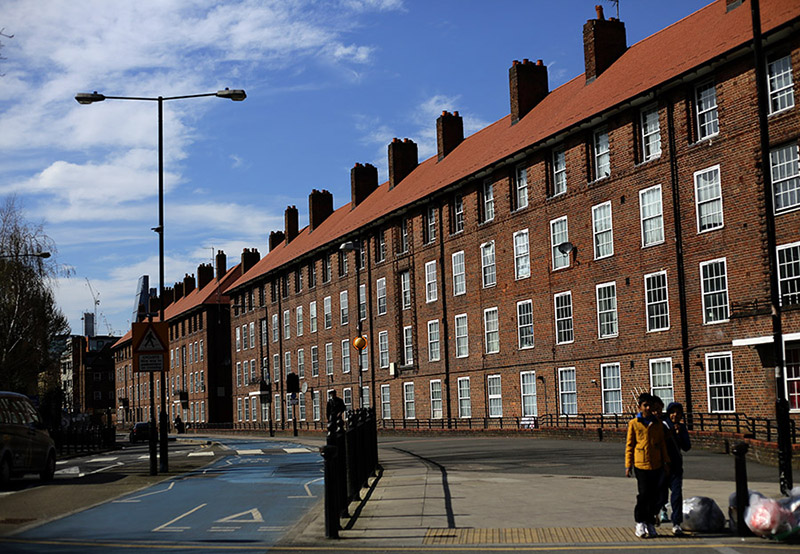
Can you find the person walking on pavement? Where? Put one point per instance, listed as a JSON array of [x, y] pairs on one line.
[[334, 409], [179, 425], [646, 457], [677, 440]]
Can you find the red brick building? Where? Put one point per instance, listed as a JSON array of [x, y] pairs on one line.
[[607, 237]]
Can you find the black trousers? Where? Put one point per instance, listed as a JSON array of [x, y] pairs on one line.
[[648, 499]]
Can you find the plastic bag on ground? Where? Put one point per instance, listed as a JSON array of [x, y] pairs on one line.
[[701, 514], [767, 517]]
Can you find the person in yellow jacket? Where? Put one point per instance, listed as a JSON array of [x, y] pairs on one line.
[[646, 457]]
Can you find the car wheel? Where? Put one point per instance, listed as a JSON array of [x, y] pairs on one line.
[[5, 473], [49, 469]]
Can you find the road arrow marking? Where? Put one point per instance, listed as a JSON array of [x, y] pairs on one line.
[[136, 498], [254, 514], [166, 526]]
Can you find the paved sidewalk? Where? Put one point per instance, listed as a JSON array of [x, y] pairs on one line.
[[415, 502]]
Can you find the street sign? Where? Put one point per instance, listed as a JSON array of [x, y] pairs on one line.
[[150, 340]]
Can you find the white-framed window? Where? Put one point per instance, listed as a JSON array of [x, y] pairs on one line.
[[315, 361], [386, 402], [362, 302], [612, 388], [252, 373], [252, 339], [792, 360], [409, 406], [287, 362], [459, 274], [656, 301], [651, 134], [567, 391], [522, 258], [238, 374], [301, 406], [276, 332], [525, 324], [706, 110], [708, 199], [430, 224], [602, 155], [784, 163], [436, 399], [312, 316], [301, 363], [528, 391], [607, 324], [462, 337], [277, 404], [521, 188], [458, 213], [495, 395], [380, 246], [327, 312], [488, 202], [789, 274], [491, 331], [559, 234], [344, 308], [238, 333], [559, 172], [287, 324], [383, 349], [298, 313], [345, 356], [239, 409], [651, 215], [404, 236], [405, 290], [779, 83], [714, 284], [276, 367], [326, 268], [464, 399], [316, 406], [347, 398], [489, 274], [661, 383], [380, 293], [408, 345], [263, 332], [431, 288], [563, 311], [603, 231], [245, 342], [719, 376], [328, 358], [434, 354], [363, 357]]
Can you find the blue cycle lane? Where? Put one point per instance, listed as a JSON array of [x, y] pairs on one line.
[[250, 497]]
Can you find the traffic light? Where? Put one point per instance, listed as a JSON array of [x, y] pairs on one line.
[[292, 383]]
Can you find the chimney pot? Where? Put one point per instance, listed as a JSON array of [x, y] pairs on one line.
[[250, 257], [449, 133], [599, 10], [403, 159], [603, 43], [320, 206], [290, 223], [275, 238], [205, 274], [222, 266]]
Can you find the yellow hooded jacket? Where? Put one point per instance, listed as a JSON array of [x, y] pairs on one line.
[[645, 447]]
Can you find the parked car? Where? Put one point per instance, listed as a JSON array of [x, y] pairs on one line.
[[25, 444], [140, 432]]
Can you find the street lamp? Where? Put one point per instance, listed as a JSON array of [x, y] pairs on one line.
[[237, 95], [42, 255], [359, 343]]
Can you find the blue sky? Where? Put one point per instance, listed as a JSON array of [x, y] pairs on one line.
[[329, 83]]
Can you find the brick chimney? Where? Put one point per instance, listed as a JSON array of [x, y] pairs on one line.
[[603, 43], [449, 133], [222, 264], [527, 84], [403, 159], [250, 257], [275, 238], [178, 287], [290, 223], [169, 296], [320, 206], [363, 181], [205, 274], [188, 284]]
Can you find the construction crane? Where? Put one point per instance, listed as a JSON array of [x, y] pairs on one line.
[[94, 297]]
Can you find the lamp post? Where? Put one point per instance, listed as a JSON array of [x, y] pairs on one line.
[[236, 95], [358, 343], [42, 255]]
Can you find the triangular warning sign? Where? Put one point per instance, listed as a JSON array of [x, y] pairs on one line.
[[151, 342], [255, 517]]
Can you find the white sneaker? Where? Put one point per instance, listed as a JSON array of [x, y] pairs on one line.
[[651, 530], [641, 530], [677, 530]]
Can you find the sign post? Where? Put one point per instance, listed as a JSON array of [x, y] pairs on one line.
[[150, 340]]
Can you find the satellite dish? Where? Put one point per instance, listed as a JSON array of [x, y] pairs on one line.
[[304, 388]]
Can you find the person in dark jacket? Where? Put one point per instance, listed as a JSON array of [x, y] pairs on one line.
[[677, 441]]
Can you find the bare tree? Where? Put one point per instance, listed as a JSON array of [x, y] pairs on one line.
[[30, 321]]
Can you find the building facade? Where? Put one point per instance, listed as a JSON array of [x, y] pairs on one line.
[[608, 237], [87, 375]]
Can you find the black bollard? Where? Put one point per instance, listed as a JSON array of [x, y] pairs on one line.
[[331, 494], [742, 494]]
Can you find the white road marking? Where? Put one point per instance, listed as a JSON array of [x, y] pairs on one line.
[[166, 526], [223, 529], [74, 470], [201, 454], [308, 490], [296, 450], [61, 462], [102, 469], [97, 460], [136, 498], [255, 516], [249, 452], [268, 528]]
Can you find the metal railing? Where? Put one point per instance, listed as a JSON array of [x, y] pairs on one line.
[[70, 440]]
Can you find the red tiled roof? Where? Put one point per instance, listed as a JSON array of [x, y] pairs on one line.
[[658, 59], [212, 293], [125, 338]]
